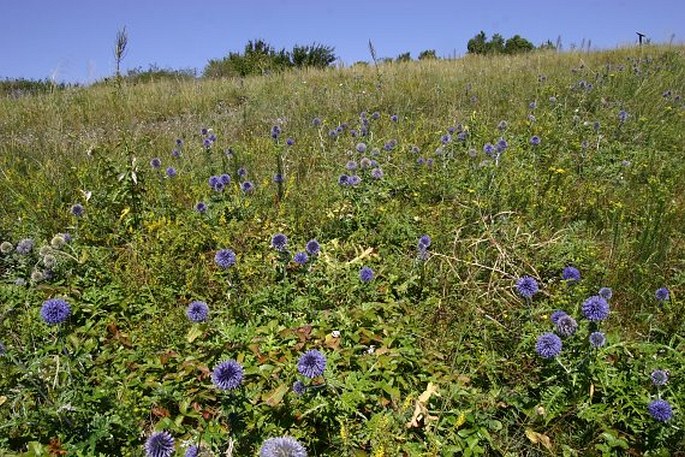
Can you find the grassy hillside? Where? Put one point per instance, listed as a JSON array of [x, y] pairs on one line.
[[515, 167]]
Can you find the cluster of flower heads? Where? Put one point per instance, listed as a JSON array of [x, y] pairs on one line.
[[219, 183], [162, 444]]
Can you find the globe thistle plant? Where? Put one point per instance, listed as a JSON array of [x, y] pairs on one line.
[[366, 274], [284, 446], [227, 375], [659, 377], [660, 410], [527, 286], [597, 339], [55, 311], [548, 345], [662, 294], [570, 274], [159, 444], [197, 311], [595, 308], [279, 242], [225, 258], [311, 364], [313, 247]]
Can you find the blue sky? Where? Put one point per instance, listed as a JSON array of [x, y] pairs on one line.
[[72, 40]]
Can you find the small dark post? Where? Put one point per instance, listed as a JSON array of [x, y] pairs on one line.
[[639, 37]]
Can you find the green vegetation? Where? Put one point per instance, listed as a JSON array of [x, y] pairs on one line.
[[479, 44], [436, 354]]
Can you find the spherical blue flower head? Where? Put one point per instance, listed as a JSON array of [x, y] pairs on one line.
[[424, 241], [192, 451], [566, 326], [219, 187], [344, 180], [556, 315], [284, 446], [375, 115], [366, 274], [355, 180], [275, 132], [247, 187], [77, 210], [420, 161], [394, 118], [662, 294], [311, 364], [201, 207], [606, 293], [361, 148], [156, 163], [299, 387], [242, 172], [446, 138], [377, 173], [227, 375], [535, 140], [301, 258], [388, 146], [278, 178], [159, 444], [171, 172], [570, 274], [207, 143], [596, 125], [224, 258], [502, 145], [415, 149], [659, 377], [225, 179], [339, 129], [527, 287], [289, 141], [24, 246], [354, 133], [279, 242], [548, 345], [660, 410], [489, 149], [333, 133], [55, 311], [204, 131], [179, 142], [532, 105], [597, 339], [502, 126], [595, 308], [451, 130], [175, 153], [313, 247], [316, 122], [197, 311], [351, 165], [622, 116]]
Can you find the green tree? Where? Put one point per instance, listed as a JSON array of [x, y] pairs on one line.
[[517, 44], [428, 54], [313, 55], [404, 57], [478, 44], [496, 44]]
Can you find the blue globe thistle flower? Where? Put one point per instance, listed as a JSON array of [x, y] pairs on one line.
[[224, 258], [532, 105], [316, 122], [548, 345], [289, 141], [201, 207], [489, 149], [278, 178], [355, 180], [595, 308], [175, 153], [55, 311], [213, 181], [284, 446], [24, 246], [451, 130], [227, 375], [366, 274], [313, 247], [622, 116], [219, 187], [415, 149], [377, 173], [344, 180], [375, 115], [204, 131], [461, 136], [606, 293], [247, 187], [446, 138], [535, 140], [192, 451], [420, 161], [659, 377], [425, 241], [361, 148], [566, 326], [354, 133], [394, 118], [179, 142], [159, 444], [662, 294], [311, 364], [502, 145], [197, 311], [67, 237], [660, 410], [597, 339], [527, 286], [156, 163], [299, 387], [333, 133], [556, 315], [275, 132], [279, 242], [351, 165], [339, 129], [171, 172], [225, 179], [77, 210], [242, 172], [301, 258], [596, 125], [570, 274], [207, 143], [374, 163]]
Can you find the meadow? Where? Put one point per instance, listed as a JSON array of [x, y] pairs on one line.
[[481, 256]]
